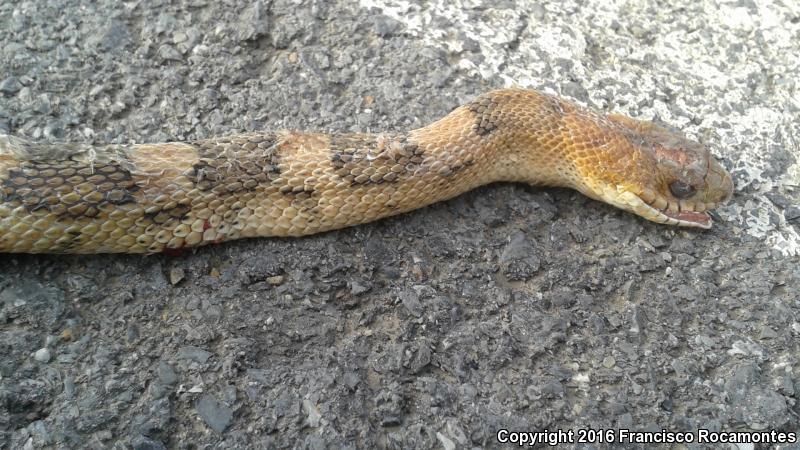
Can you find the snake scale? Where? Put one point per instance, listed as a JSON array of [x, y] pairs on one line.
[[147, 198]]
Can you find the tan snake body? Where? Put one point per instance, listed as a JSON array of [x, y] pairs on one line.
[[145, 198]]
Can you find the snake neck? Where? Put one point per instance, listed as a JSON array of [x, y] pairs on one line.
[[507, 136]]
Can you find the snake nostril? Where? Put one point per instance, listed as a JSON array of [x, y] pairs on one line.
[[681, 189]]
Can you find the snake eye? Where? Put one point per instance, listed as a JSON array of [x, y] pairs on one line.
[[681, 189]]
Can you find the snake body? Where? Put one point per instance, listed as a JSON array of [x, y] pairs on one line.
[[146, 198]]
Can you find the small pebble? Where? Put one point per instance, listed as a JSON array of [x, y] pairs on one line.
[[216, 415], [792, 212], [411, 301], [166, 374], [447, 444], [768, 333], [42, 355], [66, 334], [276, 280], [176, 275], [10, 85], [193, 353], [313, 413], [357, 288]]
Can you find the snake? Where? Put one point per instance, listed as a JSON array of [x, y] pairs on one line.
[[158, 197]]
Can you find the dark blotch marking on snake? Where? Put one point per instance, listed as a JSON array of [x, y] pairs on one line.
[[297, 190], [457, 167], [307, 203], [364, 159], [236, 163], [486, 111], [166, 215], [69, 188]]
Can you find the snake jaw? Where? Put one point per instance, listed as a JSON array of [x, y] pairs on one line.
[[657, 209], [668, 215]]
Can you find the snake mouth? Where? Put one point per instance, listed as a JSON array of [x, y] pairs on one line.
[[690, 218], [657, 208], [685, 217]]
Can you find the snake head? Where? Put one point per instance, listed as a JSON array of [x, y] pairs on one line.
[[658, 173]]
